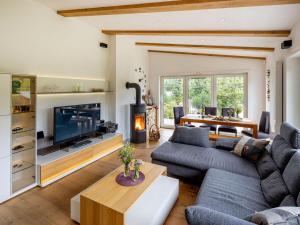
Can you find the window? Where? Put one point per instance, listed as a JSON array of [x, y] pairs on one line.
[[172, 95], [230, 92], [196, 92], [199, 93]]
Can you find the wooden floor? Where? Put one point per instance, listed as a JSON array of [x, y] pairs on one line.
[[51, 205]]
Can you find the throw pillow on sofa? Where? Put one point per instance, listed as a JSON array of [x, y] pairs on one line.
[[274, 189], [276, 216], [265, 165], [250, 148], [191, 136], [281, 152]]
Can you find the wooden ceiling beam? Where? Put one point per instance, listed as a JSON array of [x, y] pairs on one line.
[[216, 47], [207, 54], [168, 6], [232, 33]]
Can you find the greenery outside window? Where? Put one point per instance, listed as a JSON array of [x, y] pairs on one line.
[[196, 92]]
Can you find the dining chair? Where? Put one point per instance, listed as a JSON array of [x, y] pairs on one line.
[[178, 113], [227, 112], [210, 111], [264, 128]]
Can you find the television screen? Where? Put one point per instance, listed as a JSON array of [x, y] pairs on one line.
[[73, 122]]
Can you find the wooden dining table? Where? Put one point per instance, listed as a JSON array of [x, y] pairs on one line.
[[245, 123]]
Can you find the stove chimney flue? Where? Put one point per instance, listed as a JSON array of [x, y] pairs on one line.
[[137, 91]]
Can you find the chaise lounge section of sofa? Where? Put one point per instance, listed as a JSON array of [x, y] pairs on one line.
[[232, 187]]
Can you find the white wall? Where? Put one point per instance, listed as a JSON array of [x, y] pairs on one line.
[[172, 65], [35, 40], [128, 57], [295, 36], [292, 102]]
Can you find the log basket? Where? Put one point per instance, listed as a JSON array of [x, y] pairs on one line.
[[154, 134]]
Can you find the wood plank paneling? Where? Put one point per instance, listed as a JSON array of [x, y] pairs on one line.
[[216, 47], [167, 6], [207, 54], [232, 33]]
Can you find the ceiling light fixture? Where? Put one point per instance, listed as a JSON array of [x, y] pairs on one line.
[[222, 20]]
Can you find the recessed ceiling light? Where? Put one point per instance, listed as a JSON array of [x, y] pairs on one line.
[[222, 20], [202, 40]]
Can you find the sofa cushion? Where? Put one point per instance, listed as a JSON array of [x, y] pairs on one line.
[[277, 216], [274, 188], [226, 143], [203, 158], [290, 134], [291, 175], [288, 201], [265, 165], [281, 152], [250, 148], [231, 193], [197, 215], [191, 136]]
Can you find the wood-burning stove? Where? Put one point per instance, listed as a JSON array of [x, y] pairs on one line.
[[137, 117]]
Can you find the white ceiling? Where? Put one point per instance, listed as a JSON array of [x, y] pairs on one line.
[[245, 18], [74, 4]]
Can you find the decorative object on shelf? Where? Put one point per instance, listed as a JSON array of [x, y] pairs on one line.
[[97, 90], [129, 181], [154, 134], [268, 85], [136, 165], [50, 88], [126, 155], [148, 99]]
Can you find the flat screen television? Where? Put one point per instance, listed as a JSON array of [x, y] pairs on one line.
[[74, 122]]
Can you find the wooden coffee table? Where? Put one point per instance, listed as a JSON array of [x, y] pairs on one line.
[[149, 203]]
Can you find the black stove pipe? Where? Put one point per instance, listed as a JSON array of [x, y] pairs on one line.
[[137, 91]]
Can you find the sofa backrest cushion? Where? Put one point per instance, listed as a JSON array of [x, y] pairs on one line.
[[288, 201], [298, 200], [274, 189], [276, 216], [281, 152], [290, 134], [191, 136], [265, 165], [291, 175]]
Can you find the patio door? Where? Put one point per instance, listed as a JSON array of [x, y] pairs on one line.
[[172, 94]]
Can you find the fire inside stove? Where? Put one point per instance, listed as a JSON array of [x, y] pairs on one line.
[[139, 122]]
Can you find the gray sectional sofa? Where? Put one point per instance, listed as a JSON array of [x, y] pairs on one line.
[[232, 187]]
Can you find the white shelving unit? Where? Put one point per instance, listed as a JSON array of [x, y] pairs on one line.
[[5, 136], [17, 146]]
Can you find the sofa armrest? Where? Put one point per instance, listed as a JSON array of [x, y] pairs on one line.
[[226, 143], [197, 215]]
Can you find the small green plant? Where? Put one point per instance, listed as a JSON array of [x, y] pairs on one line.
[[238, 110], [126, 156]]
